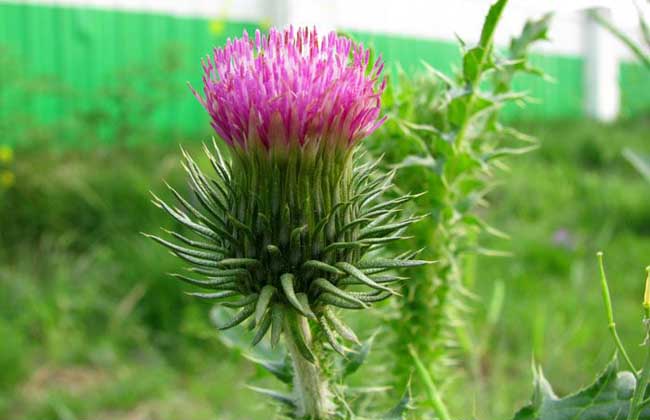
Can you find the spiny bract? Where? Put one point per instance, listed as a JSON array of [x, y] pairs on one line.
[[288, 227]]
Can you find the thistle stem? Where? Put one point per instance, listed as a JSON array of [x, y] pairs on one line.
[[433, 394], [610, 315], [637, 404], [310, 389]]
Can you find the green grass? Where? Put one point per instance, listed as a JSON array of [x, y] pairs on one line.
[[90, 326], [561, 204]]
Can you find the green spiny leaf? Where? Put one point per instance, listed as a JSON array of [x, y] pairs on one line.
[[330, 299], [242, 302], [331, 337], [399, 411], [215, 295], [491, 22], [299, 339], [266, 294], [607, 398], [196, 244], [279, 369], [287, 281], [377, 279], [186, 251], [275, 395], [372, 297], [342, 329], [277, 320], [264, 326], [304, 303], [218, 284], [182, 218], [240, 317], [221, 273], [322, 266], [326, 286], [359, 275], [356, 357]]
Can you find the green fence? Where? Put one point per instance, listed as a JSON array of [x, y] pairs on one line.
[[80, 51]]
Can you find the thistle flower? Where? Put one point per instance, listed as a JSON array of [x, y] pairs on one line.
[[288, 227], [292, 88]]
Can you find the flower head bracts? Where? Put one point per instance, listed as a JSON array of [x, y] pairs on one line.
[[292, 88]]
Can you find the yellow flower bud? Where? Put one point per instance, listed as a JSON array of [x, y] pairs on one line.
[[6, 154]]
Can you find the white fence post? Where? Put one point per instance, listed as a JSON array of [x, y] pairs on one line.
[[319, 13], [601, 66]]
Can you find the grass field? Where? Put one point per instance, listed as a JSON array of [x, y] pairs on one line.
[[91, 328]]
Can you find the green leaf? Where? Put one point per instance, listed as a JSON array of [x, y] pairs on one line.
[[287, 282], [362, 277], [263, 327], [640, 163], [319, 265], [491, 22], [277, 320], [380, 264], [340, 327], [534, 31], [262, 304], [215, 295], [356, 357], [417, 161], [240, 317], [436, 73], [459, 110], [433, 395], [509, 151], [245, 301], [226, 283], [297, 337], [399, 411], [473, 63], [331, 336], [278, 368], [326, 286], [330, 299], [607, 398], [275, 395], [196, 244]]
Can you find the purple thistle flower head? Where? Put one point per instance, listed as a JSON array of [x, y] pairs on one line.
[[292, 88]]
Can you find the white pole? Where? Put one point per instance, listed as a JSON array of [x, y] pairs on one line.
[[602, 92], [319, 13]]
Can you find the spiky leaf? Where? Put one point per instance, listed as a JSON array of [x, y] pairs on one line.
[[607, 398]]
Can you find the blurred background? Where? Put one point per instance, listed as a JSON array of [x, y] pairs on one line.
[[93, 105]]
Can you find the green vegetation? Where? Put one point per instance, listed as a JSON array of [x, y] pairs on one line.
[[561, 204], [89, 329], [450, 145]]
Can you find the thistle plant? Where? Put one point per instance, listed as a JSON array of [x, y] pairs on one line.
[[457, 144], [289, 228], [616, 394]]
